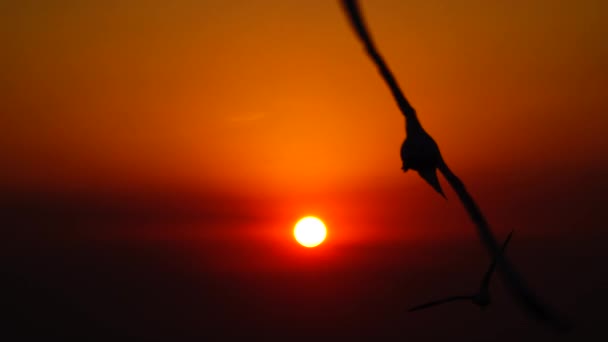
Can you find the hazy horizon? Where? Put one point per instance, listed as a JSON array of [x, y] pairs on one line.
[[155, 156]]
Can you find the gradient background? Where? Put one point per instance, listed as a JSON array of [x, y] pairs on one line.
[[155, 155]]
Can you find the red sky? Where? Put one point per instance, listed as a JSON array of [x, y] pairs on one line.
[[251, 114], [275, 102]]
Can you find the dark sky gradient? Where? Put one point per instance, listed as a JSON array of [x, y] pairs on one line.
[[155, 157]]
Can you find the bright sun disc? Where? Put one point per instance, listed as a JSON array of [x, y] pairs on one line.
[[310, 231]]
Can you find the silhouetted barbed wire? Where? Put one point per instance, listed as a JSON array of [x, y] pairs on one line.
[[420, 153], [482, 297]]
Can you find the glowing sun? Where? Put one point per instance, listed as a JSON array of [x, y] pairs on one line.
[[310, 231]]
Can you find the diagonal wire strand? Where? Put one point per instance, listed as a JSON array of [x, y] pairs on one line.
[[358, 24], [513, 281]]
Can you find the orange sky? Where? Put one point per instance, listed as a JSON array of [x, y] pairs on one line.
[[277, 97], [155, 156]]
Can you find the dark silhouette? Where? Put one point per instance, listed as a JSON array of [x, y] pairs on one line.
[[419, 152], [482, 297]]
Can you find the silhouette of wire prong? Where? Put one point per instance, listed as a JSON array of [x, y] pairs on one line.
[[430, 176], [419, 152], [512, 279], [482, 297]]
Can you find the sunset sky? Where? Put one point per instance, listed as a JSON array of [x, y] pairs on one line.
[[271, 110], [277, 97]]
